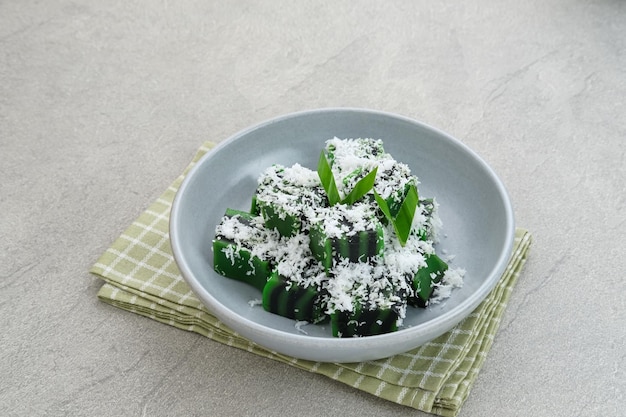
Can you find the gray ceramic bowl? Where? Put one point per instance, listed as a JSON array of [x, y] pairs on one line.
[[478, 224]]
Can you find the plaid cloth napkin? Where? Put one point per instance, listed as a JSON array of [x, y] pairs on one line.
[[141, 276]]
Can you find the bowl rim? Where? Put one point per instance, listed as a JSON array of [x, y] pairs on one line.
[[432, 327]]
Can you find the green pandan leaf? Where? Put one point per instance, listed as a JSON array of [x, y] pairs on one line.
[[384, 207], [362, 187], [404, 219], [328, 180]]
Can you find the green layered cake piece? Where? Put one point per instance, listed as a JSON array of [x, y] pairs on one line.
[[364, 322], [240, 249], [425, 279], [292, 300], [364, 299], [339, 233], [283, 195]]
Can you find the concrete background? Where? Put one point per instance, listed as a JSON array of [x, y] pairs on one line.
[[102, 104]]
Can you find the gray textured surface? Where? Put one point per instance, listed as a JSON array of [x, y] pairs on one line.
[[102, 104]]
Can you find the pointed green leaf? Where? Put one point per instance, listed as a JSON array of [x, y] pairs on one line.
[[325, 173], [404, 218], [384, 207], [403, 221], [362, 187]]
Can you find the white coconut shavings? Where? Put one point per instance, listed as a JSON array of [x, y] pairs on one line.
[[452, 278], [449, 258], [420, 219], [370, 284], [229, 252], [404, 260], [342, 220], [289, 189], [295, 262], [414, 244], [392, 178], [434, 222], [346, 151], [351, 281], [301, 176], [299, 324], [237, 229], [255, 302], [253, 236]]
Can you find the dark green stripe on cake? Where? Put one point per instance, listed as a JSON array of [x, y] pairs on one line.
[[364, 322], [358, 247], [321, 247], [291, 300]]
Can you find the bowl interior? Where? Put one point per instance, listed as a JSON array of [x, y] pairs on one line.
[[476, 213]]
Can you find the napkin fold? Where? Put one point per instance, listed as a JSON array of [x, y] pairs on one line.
[[141, 276]]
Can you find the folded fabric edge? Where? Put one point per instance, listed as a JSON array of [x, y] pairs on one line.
[[446, 405]]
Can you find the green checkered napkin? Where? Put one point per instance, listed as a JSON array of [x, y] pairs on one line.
[[141, 276]]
